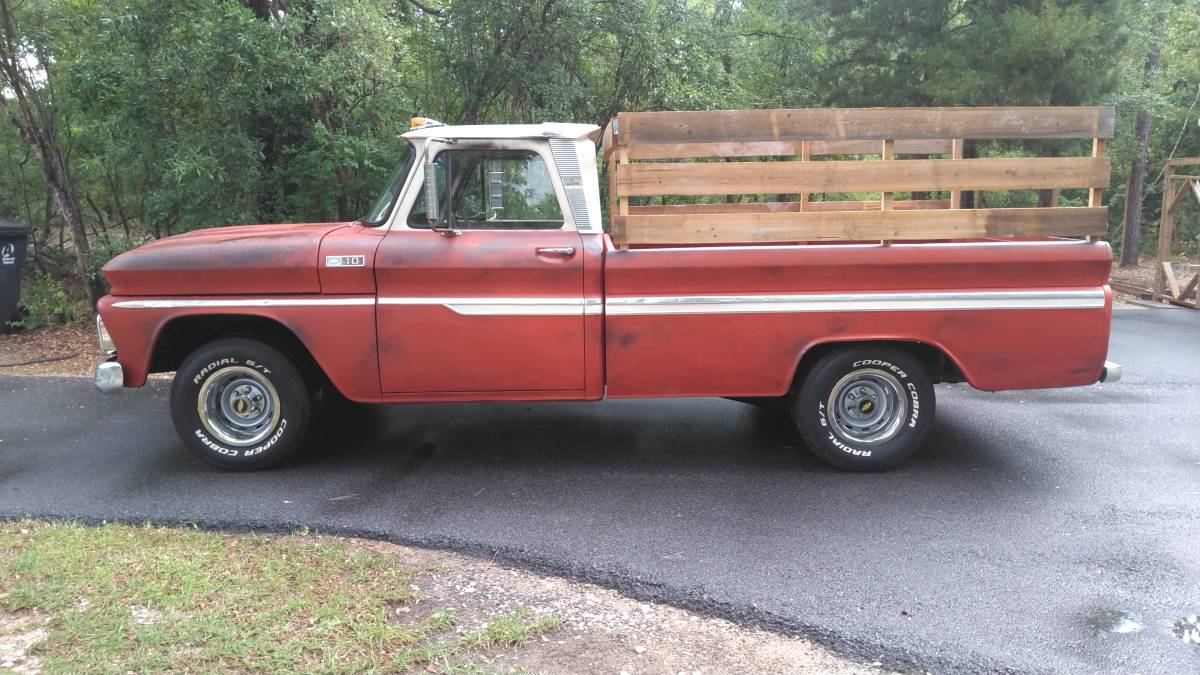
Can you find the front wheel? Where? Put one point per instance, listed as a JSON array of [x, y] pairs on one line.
[[865, 408], [240, 404]]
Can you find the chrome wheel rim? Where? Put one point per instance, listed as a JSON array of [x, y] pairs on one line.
[[238, 405], [867, 407]]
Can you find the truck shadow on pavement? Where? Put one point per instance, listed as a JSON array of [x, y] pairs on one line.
[[695, 437]]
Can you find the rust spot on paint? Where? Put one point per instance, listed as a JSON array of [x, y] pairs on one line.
[[625, 340]]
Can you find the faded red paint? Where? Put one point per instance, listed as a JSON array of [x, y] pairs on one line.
[[240, 260], [409, 352], [429, 348], [757, 354]]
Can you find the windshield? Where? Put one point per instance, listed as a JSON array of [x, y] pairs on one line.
[[383, 204]]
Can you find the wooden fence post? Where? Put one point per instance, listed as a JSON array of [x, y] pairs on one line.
[[805, 155], [885, 202], [956, 152], [1095, 195]]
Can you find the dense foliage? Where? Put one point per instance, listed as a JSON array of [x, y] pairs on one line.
[[179, 115]]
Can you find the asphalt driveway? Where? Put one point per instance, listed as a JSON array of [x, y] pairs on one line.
[[1052, 530]]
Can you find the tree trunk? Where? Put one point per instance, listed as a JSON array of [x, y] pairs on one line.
[[1132, 239], [35, 121]]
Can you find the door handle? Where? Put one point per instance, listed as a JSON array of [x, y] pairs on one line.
[[563, 251]]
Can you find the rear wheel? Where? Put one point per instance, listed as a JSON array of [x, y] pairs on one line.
[[865, 408], [240, 404]]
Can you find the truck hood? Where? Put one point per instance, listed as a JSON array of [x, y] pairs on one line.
[[248, 259]]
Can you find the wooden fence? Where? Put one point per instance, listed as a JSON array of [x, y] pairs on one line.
[[1177, 188], [658, 154]]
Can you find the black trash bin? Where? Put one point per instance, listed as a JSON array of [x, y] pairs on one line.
[[13, 238]]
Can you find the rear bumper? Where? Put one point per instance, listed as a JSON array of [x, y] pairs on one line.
[[1111, 372], [110, 377]]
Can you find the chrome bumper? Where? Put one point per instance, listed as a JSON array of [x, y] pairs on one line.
[[1111, 372], [110, 378]]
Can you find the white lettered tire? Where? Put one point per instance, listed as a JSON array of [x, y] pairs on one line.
[[238, 403], [865, 408]]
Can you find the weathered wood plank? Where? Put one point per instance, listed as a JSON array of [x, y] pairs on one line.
[[787, 207], [783, 148], [1179, 195], [608, 146], [836, 124], [1130, 288], [863, 226], [904, 146], [732, 178], [1172, 282], [1189, 288]]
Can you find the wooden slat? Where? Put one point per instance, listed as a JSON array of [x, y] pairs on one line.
[[863, 226], [904, 146], [782, 148], [1171, 280], [722, 126], [1184, 186], [786, 207], [731, 178], [1189, 288], [874, 205], [1130, 288]]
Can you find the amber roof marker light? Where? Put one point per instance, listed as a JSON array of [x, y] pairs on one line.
[[423, 122]]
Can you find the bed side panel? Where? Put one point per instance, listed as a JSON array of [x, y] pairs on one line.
[[725, 352]]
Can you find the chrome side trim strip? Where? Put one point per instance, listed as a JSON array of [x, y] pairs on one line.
[[509, 306], [859, 245], [681, 304], [857, 302], [243, 302]]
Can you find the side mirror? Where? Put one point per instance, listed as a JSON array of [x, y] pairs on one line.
[[431, 194]]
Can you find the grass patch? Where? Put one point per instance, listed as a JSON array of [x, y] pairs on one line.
[[119, 598]]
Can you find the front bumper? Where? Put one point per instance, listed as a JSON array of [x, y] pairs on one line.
[[1111, 372], [110, 377]]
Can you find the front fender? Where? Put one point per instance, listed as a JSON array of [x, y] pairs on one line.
[[338, 331]]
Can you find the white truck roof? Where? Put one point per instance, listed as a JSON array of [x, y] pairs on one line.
[[544, 130]]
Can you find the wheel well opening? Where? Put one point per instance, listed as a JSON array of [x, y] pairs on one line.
[[938, 364], [183, 335]]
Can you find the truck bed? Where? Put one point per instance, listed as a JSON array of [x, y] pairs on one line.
[[736, 320]]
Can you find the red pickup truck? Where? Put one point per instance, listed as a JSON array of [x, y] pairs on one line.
[[483, 273]]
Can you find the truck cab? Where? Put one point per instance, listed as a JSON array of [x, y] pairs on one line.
[[491, 264]]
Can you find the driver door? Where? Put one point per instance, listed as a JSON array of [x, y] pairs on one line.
[[497, 307]]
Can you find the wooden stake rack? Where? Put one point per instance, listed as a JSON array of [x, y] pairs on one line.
[[1177, 187], [770, 155]]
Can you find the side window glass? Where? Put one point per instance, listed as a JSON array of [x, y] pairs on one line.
[[494, 190]]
